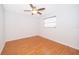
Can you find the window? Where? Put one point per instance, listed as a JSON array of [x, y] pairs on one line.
[[50, 22]]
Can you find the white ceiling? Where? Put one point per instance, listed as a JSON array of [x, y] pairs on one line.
[[19, 8]]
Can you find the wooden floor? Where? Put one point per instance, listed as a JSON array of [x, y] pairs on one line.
[[37, 46]]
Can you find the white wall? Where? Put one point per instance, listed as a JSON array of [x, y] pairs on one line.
[[20, 25], [1, 27], [48, 32], [67, 29]]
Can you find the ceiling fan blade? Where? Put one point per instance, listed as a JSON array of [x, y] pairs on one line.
[[41, 9], [39, 13], [32, 14], [31, 6], [27, 10]]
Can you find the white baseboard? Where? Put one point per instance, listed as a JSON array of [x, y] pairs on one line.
[[2, 47], [16, 38]]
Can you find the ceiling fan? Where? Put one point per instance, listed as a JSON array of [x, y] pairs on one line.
[[35, 10]]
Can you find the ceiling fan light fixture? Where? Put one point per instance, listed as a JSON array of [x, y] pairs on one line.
[[34, 11]]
